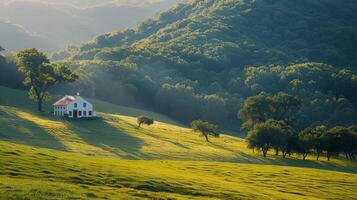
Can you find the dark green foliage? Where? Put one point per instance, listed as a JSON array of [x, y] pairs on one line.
[[144, 120], [318, 139], [277, 135], [9, 76], [326, 92], [225, 34], [271, 134], [40, 74], [205, 128], [334, 141], [305, 142], [262, 107], [341, 139], [180, 58]]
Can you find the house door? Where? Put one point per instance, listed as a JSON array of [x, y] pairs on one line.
[[75, 113]]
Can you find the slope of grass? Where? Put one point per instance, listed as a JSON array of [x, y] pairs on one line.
[[60, 175], [47, 157], [117, 135]]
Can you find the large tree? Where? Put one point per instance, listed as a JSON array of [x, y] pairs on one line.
[[271, 134], [260, 137], [305, 142], [205, 128], [40, 74], [341, 139], [259, 108], [318, 139], [285, 106], [255, 109]]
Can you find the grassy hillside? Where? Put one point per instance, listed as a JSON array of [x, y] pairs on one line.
[[46, 157], [33, 173]]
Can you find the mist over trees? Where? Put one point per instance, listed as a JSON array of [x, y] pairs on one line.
[[52, 25]]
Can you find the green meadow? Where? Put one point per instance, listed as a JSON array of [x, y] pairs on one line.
[[47, 157]]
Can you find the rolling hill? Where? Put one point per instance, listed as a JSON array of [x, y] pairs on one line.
[[64, 23], [203, 59], [14, 37], [44, 157], [219, 35]]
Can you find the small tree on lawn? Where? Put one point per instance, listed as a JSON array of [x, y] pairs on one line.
[[205, 128], [144, 120], [40, 74]]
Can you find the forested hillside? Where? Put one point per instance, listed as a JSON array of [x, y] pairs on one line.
[[234, 33], [9, 75], [204, 59]]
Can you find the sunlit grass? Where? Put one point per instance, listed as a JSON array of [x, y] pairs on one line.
[[108, 177], [44, 157]]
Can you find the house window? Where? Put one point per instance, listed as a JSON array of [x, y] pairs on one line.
[[84, 105], [84, 113], [80, 113], [70, 113], [90, 113], [75, 105]]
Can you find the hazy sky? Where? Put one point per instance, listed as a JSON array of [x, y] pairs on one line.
[[63, 22]]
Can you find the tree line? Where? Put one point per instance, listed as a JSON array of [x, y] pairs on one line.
[[271, 126]]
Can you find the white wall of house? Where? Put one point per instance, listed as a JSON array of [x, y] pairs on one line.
[[83, 108], [59, 110], [80, 108]]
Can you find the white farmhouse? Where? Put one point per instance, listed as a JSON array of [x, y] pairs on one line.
[[73, 107]]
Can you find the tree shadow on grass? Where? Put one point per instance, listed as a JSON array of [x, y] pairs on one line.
[[98, 132], [18, 130], [297, 162], [322, 164]]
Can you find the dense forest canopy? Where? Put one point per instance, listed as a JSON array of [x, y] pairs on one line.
[[235, 33], [204, 59]]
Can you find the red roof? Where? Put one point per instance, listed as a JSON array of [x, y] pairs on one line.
[[65, 101]]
